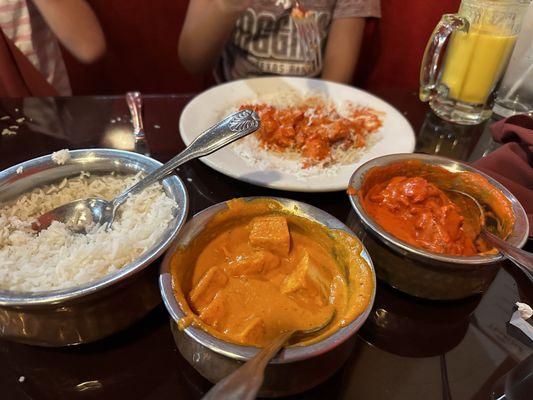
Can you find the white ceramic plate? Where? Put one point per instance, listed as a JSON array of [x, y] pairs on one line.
[[207, 108]]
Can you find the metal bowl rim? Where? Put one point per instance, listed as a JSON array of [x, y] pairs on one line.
[[392, 241], [244, 353], [21, 299]]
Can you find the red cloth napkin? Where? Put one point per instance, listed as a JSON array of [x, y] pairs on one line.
[[512, 163], [18, 76]]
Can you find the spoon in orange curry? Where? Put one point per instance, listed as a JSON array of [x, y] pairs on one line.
[[485, 223], [245, 382]]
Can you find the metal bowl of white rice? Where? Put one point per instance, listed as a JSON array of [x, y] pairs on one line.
[[58, 288]]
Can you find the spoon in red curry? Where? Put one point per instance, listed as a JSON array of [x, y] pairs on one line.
[[245, 382], [472, 209]]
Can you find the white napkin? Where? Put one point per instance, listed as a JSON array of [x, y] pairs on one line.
[[519, 318]]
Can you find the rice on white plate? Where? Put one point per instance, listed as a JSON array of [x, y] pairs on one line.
[[56, 258]]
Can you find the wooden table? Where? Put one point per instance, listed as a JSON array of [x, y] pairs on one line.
[[408, 348]]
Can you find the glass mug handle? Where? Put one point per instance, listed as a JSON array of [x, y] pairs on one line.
[[429, 69]]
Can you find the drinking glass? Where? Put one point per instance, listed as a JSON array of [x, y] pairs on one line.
[[515, 95], [460, 80]]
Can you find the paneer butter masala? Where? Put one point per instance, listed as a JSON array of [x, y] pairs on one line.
[[257, 270]]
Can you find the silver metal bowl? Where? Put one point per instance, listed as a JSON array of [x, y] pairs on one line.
[[422, 273], [294, 369], [91, 311]]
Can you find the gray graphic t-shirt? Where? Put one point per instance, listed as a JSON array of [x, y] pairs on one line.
[[265, 40]]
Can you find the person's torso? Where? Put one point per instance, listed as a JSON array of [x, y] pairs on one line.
[[266, 41]]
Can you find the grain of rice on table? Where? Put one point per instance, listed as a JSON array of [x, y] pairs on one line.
[[56, 258]]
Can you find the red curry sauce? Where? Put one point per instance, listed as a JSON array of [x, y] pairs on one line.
[[313, 129], [419, 213]]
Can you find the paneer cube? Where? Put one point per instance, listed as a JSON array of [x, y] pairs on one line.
[[271, 233], [257, 263], [309, 281], [214, 314], [253, 332], [211, 283]]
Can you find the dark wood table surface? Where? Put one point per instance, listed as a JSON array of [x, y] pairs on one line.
[[408, 348]]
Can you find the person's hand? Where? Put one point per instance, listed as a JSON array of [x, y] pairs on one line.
[[233, 5]]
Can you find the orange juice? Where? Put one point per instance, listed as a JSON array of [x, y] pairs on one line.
[[475, 61]]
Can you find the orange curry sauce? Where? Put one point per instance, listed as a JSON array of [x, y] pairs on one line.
[[313, 129], [419, 213], [256, 271]]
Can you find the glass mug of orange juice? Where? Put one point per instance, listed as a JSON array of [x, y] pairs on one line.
[[461, 84]]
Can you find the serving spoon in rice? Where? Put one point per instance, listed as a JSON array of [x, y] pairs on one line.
[[81, 215]]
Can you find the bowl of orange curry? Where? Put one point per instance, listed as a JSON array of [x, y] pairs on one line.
[[421, 240], [244, 271]]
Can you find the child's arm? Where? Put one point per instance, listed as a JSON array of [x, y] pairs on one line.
[[342, 49], [208, 25], [76, 27]]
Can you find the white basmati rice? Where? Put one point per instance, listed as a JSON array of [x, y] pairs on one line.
[[56, 258], [8, 132], [61, 157], [250, 151]]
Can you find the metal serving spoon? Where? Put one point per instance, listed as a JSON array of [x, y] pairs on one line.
[[82, 214], [245, 382], [473, 210]]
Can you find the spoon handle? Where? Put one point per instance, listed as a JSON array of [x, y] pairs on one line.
[[231, 128], [245, 382], [521, 258]]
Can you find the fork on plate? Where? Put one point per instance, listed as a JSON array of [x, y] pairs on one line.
[[307, 28]]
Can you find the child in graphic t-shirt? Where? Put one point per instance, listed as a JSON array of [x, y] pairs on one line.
[[242, 38]]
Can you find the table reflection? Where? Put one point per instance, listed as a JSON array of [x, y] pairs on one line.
[[411, 327], [443, 138]]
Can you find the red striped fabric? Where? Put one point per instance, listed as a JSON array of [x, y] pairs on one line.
[[23, 25]]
